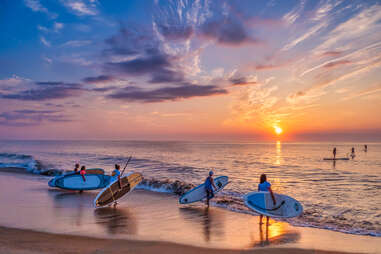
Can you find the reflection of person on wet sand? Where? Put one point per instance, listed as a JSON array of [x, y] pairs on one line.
[[116, 221], [264, 240], [207, 224]]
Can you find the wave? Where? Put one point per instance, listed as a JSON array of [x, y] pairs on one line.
[[27, 162]]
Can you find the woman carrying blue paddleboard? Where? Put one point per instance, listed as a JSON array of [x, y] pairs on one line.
[[265, 186], [209, 185]]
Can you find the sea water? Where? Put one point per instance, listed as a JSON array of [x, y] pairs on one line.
[[343, 195]]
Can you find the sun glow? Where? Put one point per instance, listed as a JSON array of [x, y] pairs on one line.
[[278, 130]]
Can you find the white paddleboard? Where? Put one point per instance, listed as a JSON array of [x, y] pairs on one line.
[[262, 203], [198, 193]]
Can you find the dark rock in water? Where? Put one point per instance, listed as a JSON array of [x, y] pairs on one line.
[[50, 172]]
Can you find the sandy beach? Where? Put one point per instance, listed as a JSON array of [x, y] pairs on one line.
[[30, 242], [54, 221]]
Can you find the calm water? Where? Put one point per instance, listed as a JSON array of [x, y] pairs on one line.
[[344, 196]]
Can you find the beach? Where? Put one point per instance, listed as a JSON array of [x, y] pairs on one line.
[[39, 219]]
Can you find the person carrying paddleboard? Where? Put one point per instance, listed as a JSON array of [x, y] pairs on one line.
[[76, 168], [116, 175], [265, 186], [209, 185], [82, 172]]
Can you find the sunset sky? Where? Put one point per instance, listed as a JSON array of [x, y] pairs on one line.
[[190, 70]]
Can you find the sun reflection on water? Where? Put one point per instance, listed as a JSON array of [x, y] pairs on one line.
[[278, 155]]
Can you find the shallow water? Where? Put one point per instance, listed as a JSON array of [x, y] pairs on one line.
[[342, 196], [146, 215]]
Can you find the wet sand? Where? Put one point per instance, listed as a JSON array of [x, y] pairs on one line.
[[31, 242], [146, 222]]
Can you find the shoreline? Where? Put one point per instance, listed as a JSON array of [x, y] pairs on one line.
[[155, 219], [25, 241]]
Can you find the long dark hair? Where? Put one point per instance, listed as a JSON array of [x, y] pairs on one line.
[[263, 178], [83, 168]]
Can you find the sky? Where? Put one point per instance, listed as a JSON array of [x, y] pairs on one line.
[[190, 70]]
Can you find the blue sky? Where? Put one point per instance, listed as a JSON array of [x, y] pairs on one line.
[[189, 69]]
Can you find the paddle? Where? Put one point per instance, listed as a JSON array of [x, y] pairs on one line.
[[272, 209], [126, 166]]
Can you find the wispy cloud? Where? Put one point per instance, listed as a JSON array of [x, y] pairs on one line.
[[81, 8], [36, 6], [76, 43], [45, 41], [28, 117]]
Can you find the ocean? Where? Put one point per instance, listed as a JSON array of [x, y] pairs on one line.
[[342, 196]]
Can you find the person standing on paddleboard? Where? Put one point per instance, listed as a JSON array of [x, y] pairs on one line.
[[116, 175], [265, 186], [334, 152], [209, 184]]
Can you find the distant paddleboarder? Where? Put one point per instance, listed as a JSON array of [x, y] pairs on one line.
[[265, 186], [365, 148], [353, 155], [334, 152], [209, 185]]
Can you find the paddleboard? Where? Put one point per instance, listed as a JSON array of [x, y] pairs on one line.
[[336, 159], [198, 193], [262, 203], [76, 182], [99, 171], [113, 192]]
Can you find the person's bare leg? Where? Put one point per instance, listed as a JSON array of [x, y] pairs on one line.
[[267, 220]]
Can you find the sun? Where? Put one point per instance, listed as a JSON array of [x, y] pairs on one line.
[[278, 130]]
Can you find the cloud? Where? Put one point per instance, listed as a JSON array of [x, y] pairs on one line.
[[136, 94], [36, 6], [176, 32], [81, 8], [45, 91], [47, 59], [58, 26], [145, 57], [104, 89], [331, 53], [244, 81], [336, 63], [76, 43], [229, 31], [368, 91], [28, 117], [44, 41], [13, 83], [99, 79]]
